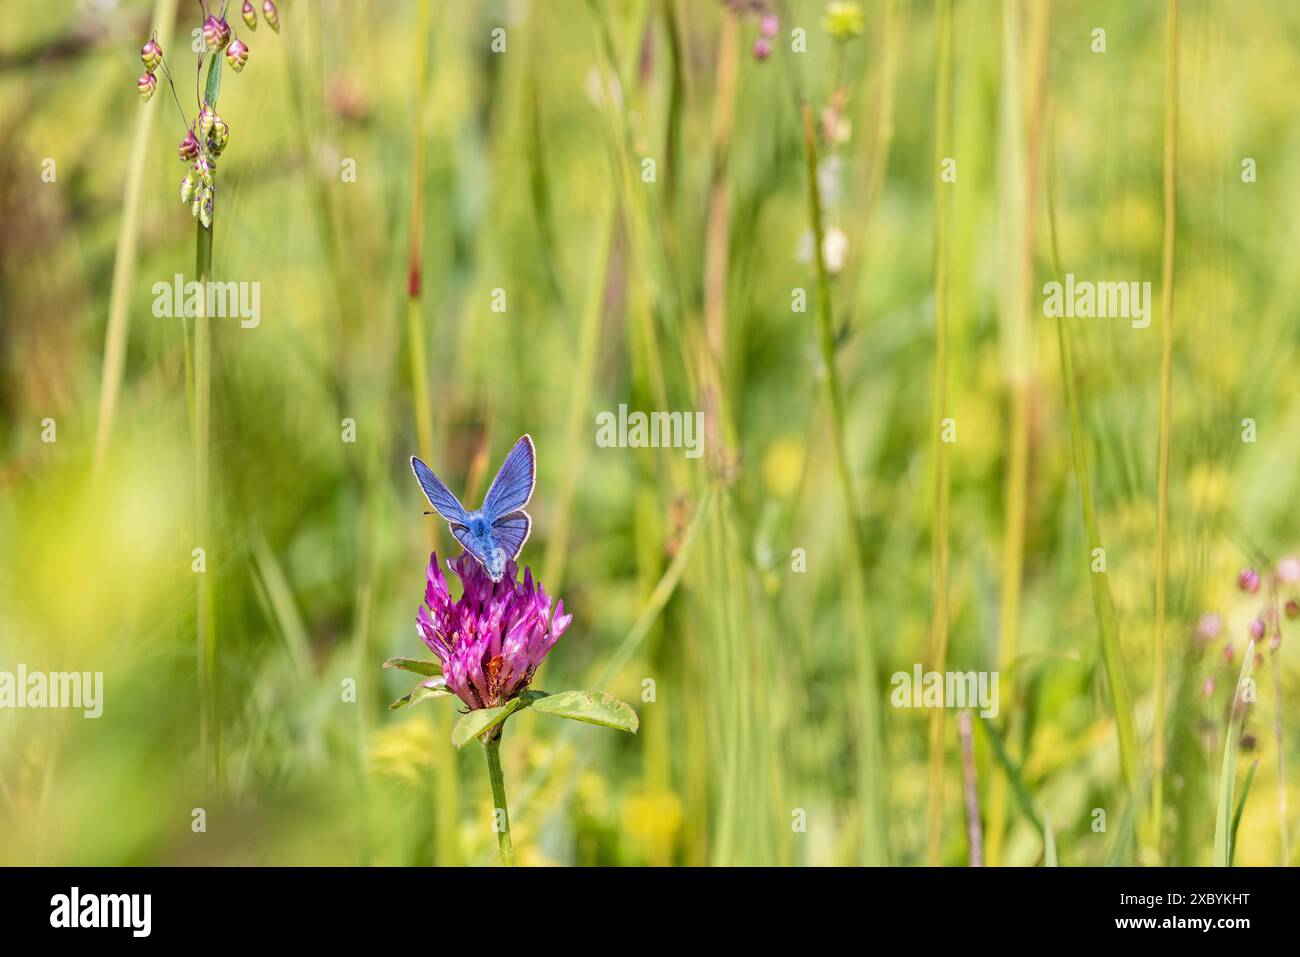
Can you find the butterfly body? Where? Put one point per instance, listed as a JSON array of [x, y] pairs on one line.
[[494, 534], [481, 543]]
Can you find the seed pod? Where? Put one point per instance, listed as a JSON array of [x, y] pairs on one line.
[[237, 55], [207, 119], [187, 187], [152, 55], [272, 15], [250, 15], [216, 33], [205, 168], [220, 136], [1248, 581], [147, 84], [205, 212], [197, 203], [189, 148]]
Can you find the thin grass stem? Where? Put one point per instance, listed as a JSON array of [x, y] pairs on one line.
[[1166, 404], [118, 327]]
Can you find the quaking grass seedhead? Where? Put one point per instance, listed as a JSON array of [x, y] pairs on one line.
[[207, 134]]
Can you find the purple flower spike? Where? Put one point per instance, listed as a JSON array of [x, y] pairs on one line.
[[493, 639]]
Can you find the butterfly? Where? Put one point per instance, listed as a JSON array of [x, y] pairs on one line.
[[495, 533]]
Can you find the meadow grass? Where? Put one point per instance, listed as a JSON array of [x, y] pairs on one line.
[[753, 604]]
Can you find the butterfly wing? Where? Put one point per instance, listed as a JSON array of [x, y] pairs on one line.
[[439, 496], [513, 485], [511, 531], [468, 542]]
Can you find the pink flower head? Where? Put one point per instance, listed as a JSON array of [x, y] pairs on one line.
[[1248, 581], [1209, 627], [492, 640], [1288, 570]]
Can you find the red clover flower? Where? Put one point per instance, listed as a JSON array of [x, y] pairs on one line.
[[487, 647]]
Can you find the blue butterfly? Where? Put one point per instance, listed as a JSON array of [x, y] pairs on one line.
[[495, 533]]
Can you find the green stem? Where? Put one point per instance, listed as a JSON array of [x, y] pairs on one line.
[[1103, 602], [492, 748], [205, 631], [204, 637], [938, 650], [116, 333], [871, 760], [1166, 405]]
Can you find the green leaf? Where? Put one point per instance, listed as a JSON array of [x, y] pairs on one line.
[[419, 693], [1018, 786], [213, 89], [593, 707], [1241, 806], [1228, 775], [484, 719], [430, 668]]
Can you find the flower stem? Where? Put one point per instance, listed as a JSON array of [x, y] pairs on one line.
[[202, 385], [492, 748]]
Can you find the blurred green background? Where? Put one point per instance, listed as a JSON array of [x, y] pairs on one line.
[[667, 287]]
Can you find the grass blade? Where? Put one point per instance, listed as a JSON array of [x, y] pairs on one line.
[[1241, 806], [1223, 825]]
